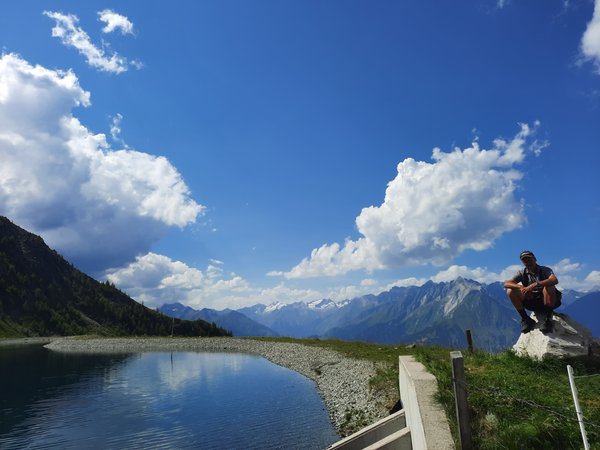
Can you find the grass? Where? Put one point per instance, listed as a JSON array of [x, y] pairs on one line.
[[515, 403], [521, 403]]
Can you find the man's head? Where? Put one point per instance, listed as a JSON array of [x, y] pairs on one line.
[[528, 259]]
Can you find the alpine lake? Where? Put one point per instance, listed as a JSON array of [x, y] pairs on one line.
[[156, 400]]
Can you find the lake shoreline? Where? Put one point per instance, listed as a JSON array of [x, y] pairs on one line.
[[18, 342], [342, 382]]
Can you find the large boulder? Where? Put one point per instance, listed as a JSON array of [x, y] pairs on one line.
[[568, 339]]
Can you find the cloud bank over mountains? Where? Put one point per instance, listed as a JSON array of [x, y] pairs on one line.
[[432, 212], [100, 207], [157, 279]]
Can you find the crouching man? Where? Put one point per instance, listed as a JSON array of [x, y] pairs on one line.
[[534, 288]]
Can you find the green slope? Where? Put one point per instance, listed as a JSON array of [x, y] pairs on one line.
[[43, 294]]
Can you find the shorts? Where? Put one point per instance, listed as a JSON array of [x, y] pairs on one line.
[[536, 302]]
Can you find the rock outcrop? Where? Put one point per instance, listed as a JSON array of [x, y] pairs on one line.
[[568, 339]]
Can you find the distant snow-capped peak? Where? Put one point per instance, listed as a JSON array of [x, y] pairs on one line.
[[274, 307], [323, 304]]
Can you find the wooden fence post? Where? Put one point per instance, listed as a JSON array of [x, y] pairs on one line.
[[460, 395], [469, 341]]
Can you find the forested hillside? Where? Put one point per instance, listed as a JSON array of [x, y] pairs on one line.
[[43, 294]]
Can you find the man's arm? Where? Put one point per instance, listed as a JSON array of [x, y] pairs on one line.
[[550, 281], [512, 284]]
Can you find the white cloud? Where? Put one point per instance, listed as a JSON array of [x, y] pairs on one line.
[[97, 206], [432, 212], [592, 281], [368, 282], [566, 266], [538, 146], [71, 35], [570, 280], [333, 260], [590, 42], [115, 21], [115, 130], [156, 279]]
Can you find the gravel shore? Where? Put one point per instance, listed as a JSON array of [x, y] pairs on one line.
[[342, 382]]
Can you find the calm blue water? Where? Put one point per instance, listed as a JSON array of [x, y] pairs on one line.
[[156, 400]]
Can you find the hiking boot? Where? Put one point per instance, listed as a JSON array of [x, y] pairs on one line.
[[547, 324], [527, 325]]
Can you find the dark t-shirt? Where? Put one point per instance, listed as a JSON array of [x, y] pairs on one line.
[[525, 277]]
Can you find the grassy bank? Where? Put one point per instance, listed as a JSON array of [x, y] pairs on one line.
[[516, 403]]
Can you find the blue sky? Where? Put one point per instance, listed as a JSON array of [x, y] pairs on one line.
[[226, 153]]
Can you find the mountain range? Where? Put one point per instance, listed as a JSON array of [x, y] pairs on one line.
[[434, 313], [234, 321], [586, 310], [43, 294]]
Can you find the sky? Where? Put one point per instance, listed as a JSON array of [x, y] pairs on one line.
[[233, 152]]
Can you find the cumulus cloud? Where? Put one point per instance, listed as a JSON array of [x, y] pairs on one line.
[[590, 42], [156, 279], [115, 21], [97, 206], [71, 35], [432, 212]]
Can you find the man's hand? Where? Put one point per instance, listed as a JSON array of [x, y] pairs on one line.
[[526, 290]]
